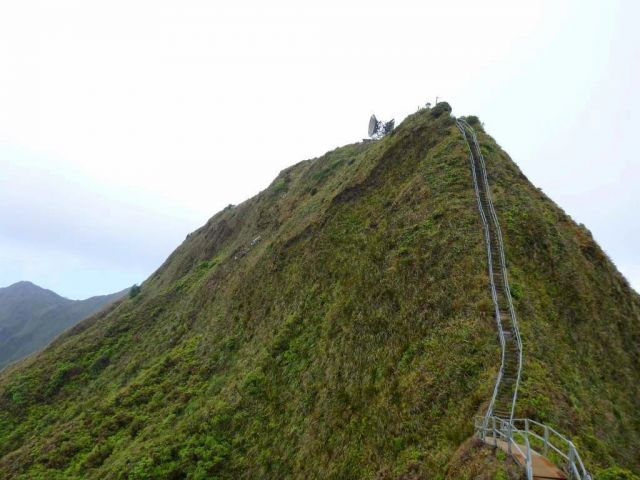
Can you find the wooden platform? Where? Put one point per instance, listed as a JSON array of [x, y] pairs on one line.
[[543, 468]]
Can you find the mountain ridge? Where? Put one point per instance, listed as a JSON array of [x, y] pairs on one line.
[[31, 316], [338, 325]]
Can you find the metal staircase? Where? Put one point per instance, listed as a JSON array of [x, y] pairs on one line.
[[505, 393], [498, 426]]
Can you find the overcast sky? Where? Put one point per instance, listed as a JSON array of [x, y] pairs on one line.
[[124, 125]]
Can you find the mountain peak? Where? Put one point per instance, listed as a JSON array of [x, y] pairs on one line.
[[24, 284], [339, 324], [25, 287]]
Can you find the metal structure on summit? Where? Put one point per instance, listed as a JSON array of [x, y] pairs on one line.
[[373, 125], [522, 438], [378, 128]]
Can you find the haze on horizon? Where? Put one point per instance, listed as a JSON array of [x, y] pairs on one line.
[[126, 125]]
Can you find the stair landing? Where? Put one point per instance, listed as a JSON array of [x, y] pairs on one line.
[[543, 468]]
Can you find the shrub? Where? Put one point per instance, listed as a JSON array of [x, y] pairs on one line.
[[134, 291], [440, 108], [616, 473]]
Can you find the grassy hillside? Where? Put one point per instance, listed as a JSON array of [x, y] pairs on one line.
[[338, 326], [31, 316]]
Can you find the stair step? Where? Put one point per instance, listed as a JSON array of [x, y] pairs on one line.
[[502, 414]]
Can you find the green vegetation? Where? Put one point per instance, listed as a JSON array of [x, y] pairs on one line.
[[338, 326], [474, 461], [615, 473], [134, 291]]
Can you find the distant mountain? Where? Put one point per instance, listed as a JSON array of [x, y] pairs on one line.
[[31, 316]]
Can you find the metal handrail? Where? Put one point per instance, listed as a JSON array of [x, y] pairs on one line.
[[503, 263], [505, 432], [494, 295], [507, 428], [572, 456], [509, 433]]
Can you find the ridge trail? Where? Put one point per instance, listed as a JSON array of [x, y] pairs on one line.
[[505, 394], [498, 427]]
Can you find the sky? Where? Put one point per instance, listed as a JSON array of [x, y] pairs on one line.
[[124, 125]]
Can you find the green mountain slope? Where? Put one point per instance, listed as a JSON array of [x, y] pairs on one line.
[[31, 316], [338, 326]]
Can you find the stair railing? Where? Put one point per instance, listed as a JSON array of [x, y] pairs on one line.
[[504, 431], [490, 427], [503, 263], [464, 127], [553, 441], [520, 433], [503, 270]]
